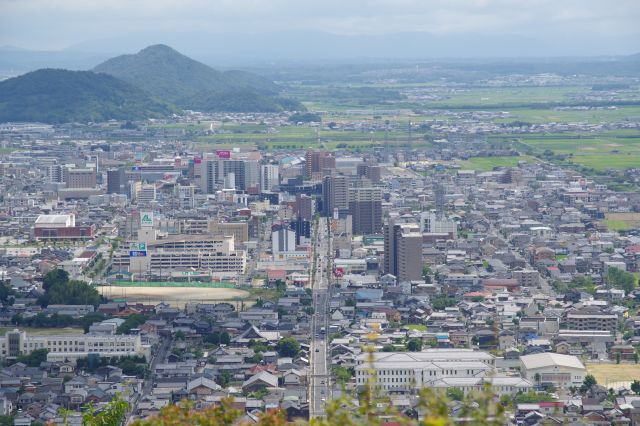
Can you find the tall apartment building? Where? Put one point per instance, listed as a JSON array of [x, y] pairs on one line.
[[269, 177], [317, 161], [79, 178], [365, 208], [305, 207], [371, 171], [116, 181], [55, 173], [335, 193], [403, 249]]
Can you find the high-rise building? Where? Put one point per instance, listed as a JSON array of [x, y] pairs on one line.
[[365, 208], [335, 193], [403, 249], [79, 178], [269, 177], [116, 181], [371, 171], [305, 207], [302, 228], [317, 161], [55, 173]]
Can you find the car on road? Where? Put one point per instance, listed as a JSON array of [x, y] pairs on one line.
[[317, 350]]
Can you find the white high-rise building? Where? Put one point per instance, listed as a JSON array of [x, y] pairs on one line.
[[269, 177]]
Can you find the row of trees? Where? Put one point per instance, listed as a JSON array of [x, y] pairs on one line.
[[58, 289]]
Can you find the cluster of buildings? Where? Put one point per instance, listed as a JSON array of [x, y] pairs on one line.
[[508, 277]]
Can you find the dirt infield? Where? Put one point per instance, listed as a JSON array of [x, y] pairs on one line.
[[614, 375], [173, 295]]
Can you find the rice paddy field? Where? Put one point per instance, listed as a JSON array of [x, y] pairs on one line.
[[484, 164]]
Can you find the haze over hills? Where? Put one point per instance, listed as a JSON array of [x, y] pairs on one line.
[[58, 96], [163, 72]]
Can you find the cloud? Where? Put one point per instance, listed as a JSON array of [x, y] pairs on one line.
[[58, 23]]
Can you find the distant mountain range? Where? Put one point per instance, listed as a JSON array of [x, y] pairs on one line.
[[155, 82]]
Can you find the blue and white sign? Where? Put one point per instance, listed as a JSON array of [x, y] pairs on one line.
[[137, 253]]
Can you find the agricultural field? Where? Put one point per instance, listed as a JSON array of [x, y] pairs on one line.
[[484, 164], [622, 221], [600, 152]]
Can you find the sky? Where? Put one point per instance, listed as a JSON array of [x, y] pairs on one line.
[[561, 27]]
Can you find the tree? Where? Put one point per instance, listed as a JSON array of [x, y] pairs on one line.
[[225, 339], [6, 294], [213, 338], [111, 414], [618, 357], [414, 345], [55, 277], [288, 347], [342, 374], [455, 394], [223, 379], [132, 321], [635, 387], [35, 358], [621, 279], [59, 290], [588, 381]]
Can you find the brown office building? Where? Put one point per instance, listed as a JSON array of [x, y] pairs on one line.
[[79, 178], [317, 161]]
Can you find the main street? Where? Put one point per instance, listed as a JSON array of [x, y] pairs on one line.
[[319, 384]]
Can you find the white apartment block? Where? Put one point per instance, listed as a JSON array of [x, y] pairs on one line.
[[72, 346]]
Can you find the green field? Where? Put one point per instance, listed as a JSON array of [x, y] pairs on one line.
[[616, 225], [488, 163], [600, 152], [173, 284], [417, 327]]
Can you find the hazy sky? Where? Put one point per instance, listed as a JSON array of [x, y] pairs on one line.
[[57, 24]]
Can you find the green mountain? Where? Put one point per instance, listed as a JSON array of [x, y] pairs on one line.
[[189, 84], [58, 96]]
